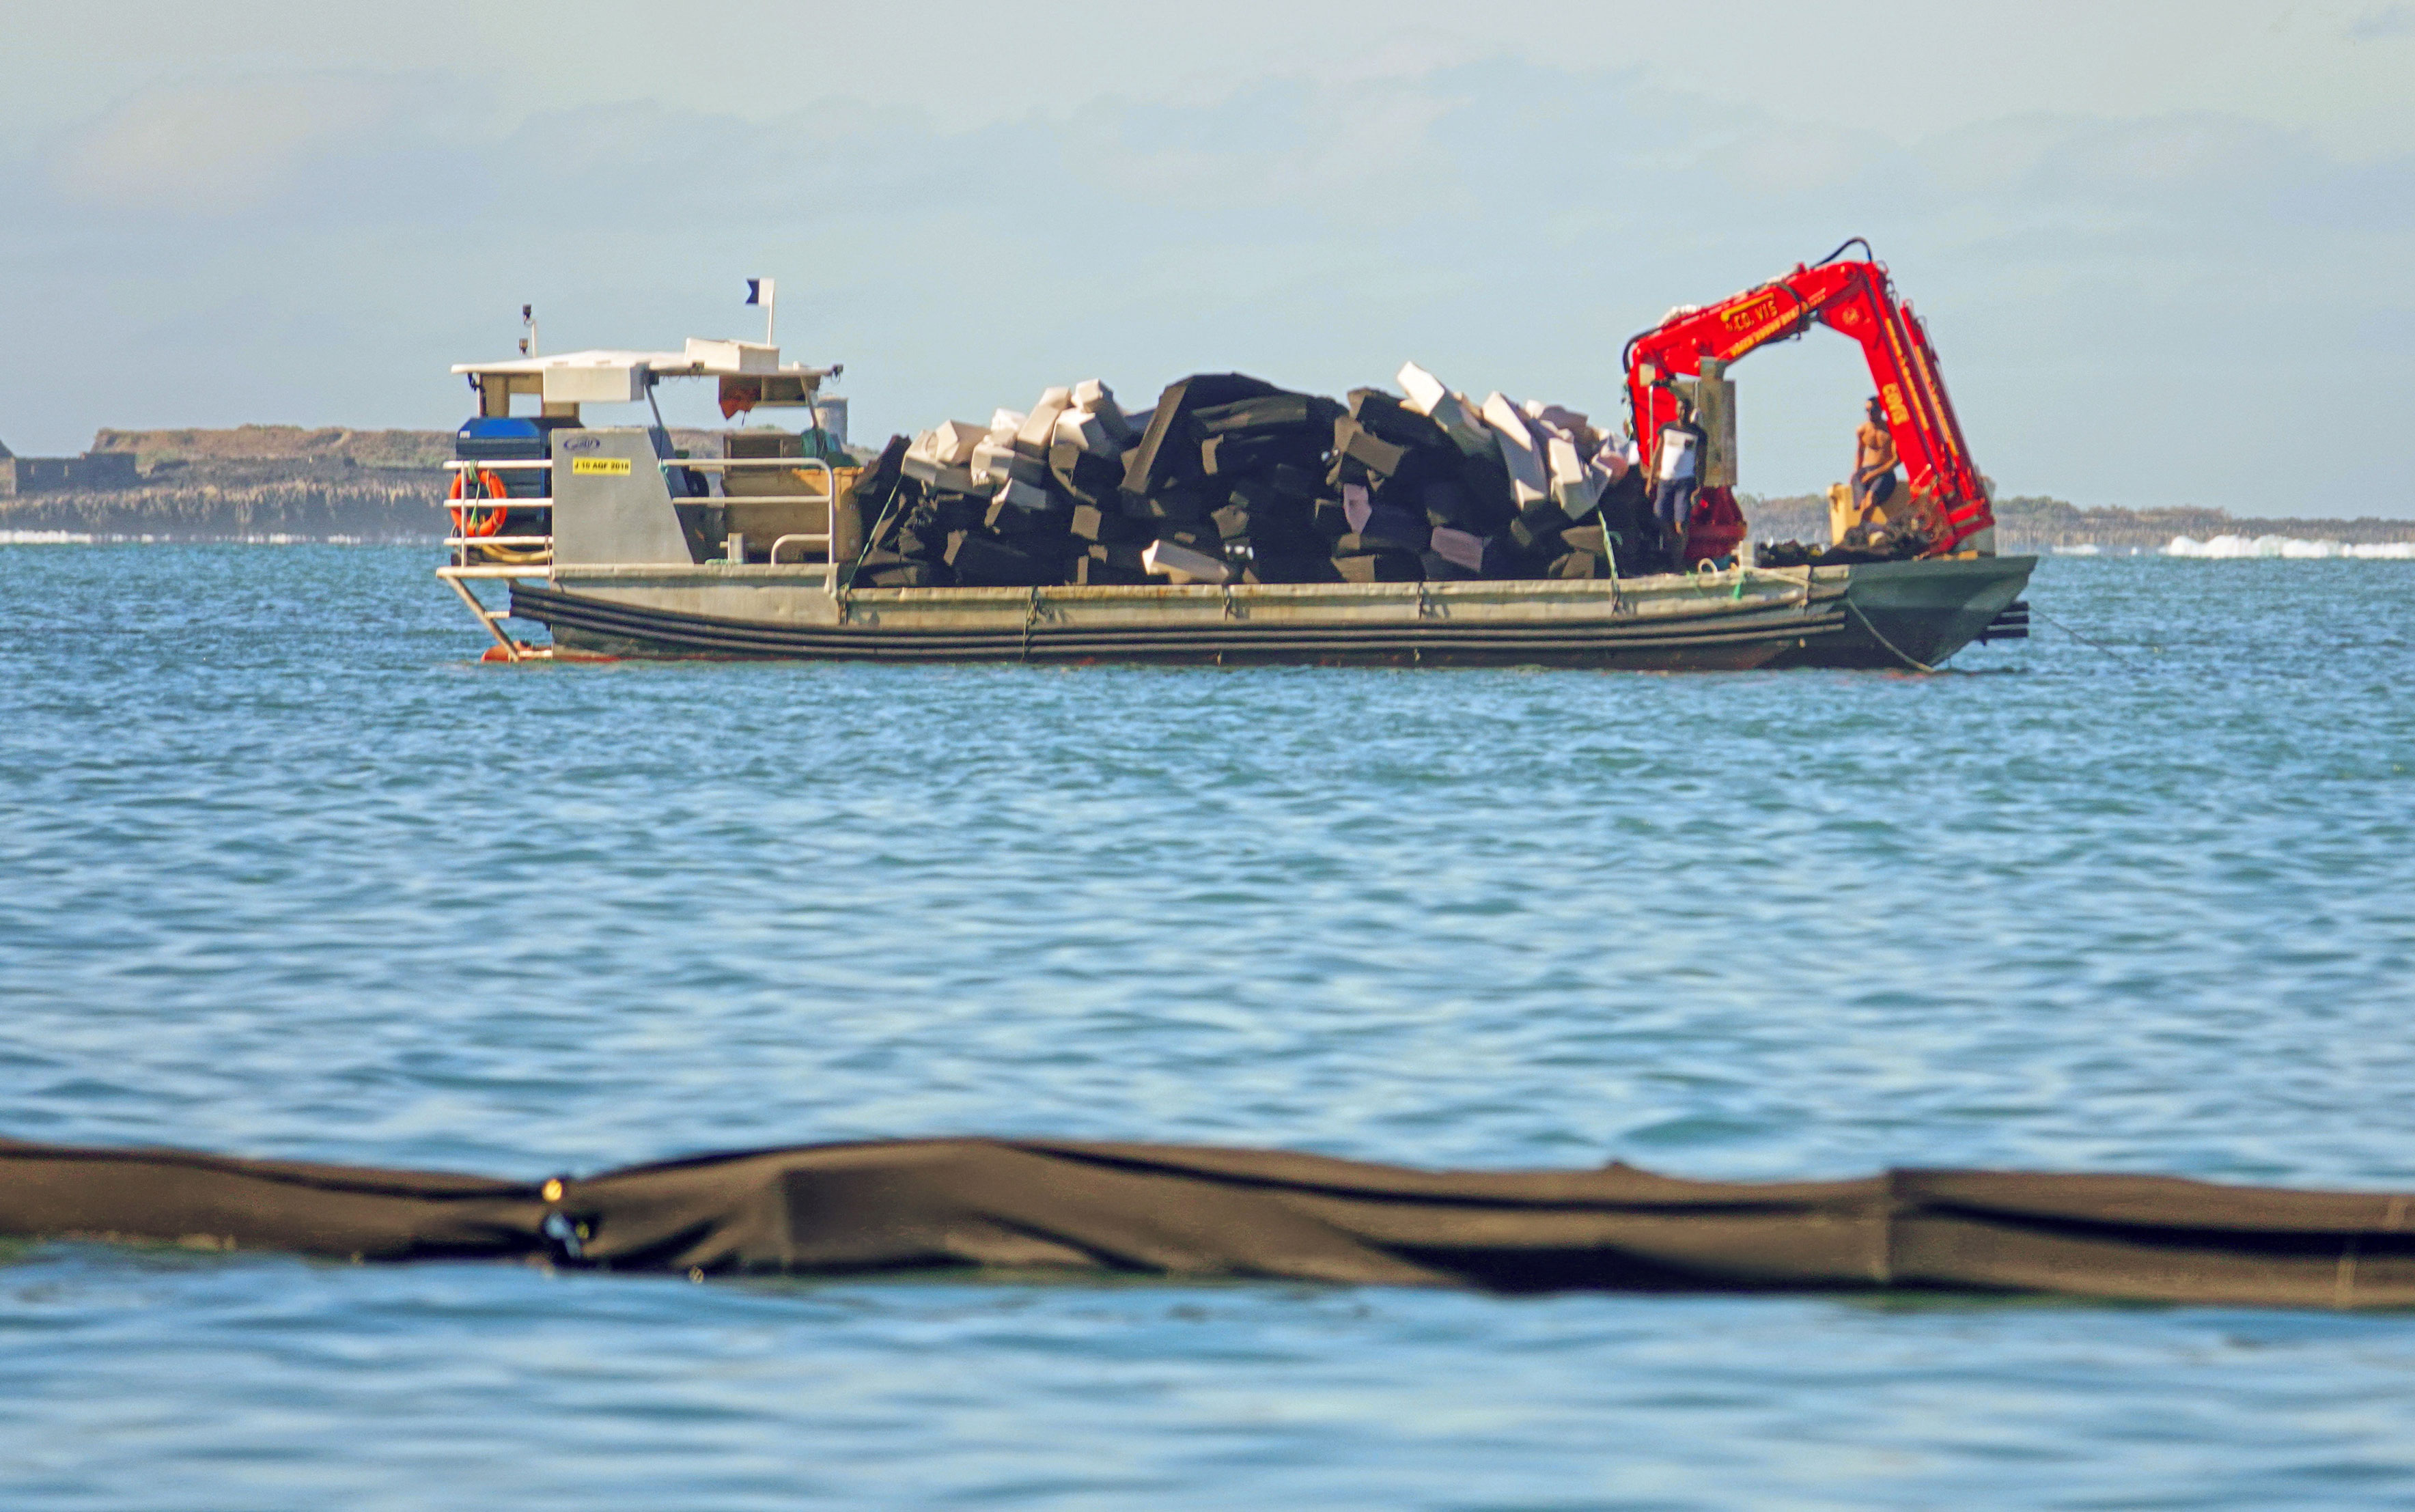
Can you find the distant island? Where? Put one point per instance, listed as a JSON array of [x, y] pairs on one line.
[[253, 483], [2030, 522], [286, 483]]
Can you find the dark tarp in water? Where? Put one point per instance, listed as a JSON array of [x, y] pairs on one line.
[[1188, 1212]]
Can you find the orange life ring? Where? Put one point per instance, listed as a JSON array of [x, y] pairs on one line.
[[472, 523]]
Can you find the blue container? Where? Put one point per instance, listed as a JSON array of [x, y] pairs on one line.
[[513, 439]]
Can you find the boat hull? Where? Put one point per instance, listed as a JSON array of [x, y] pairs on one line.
[[1725, 621], [1914, 613]]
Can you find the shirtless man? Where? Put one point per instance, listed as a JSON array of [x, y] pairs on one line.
[[1874, 480]]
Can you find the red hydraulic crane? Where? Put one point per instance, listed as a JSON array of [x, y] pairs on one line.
[[1858, 299]]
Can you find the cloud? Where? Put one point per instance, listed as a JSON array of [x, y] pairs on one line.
[[1506, 224], [2383, 25], [224, 147]]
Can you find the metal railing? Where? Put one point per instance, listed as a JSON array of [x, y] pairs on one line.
[[463, 547], [824, 539], [470, 554]]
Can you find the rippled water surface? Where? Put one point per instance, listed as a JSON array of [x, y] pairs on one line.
[[283, 871]]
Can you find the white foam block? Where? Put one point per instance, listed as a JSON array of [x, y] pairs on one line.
[[1165, 556], [1576, 487], [944, 477], [1022, 495], [1007, 421], [1560, 455], [1087, 431], [1039, 429], [992, 459], [1529, 480], [953, 443], [1355, 506], [1557, 417], [1093, 397], [1427, 398], [1423, 388]]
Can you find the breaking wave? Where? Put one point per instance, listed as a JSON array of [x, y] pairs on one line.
[[2286, 545]]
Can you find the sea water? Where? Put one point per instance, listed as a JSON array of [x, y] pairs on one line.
[[285, 872]]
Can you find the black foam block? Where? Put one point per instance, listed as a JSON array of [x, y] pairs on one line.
[[1168, 447], [959, 512], [1358, 542], [1369, 450], [1093, 522], [983, 563], [923, 542], [1412, 531], [1502, 559], [1379, 567], [1278, 411], [1538, 530], [1443, 501], [1275, 493], [1383, 415], [1016, 520], [1223, 457], [1151, 463], [1585, 538], [1090, 572], [1290, 569], [1487, 482], [1173, 504], [1293, 480], [905, 575], [1086, 476], [1627, 504]]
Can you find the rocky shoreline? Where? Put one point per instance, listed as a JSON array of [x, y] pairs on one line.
[[303, 503]]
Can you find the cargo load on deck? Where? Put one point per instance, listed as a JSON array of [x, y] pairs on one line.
[[1229, 479]]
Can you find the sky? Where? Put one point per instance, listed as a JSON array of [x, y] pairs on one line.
[[2162, 249]]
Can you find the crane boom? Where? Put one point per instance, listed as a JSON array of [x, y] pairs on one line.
[[1857, 298]]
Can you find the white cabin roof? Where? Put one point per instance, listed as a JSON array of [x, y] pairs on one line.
[[703, 357]]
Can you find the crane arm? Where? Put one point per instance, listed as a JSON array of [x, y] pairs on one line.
[[1857, 299]]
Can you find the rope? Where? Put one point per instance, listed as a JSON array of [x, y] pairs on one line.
[[871, 537], [2083, 639], [511, 555], [1897, 651]]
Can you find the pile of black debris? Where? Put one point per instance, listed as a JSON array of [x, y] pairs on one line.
[[1863, 543], [1232, 480]]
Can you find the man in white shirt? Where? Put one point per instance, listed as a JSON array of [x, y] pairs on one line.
[[1678, 472]]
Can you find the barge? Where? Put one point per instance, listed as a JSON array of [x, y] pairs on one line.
[[1904, 615], [624, 545]]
